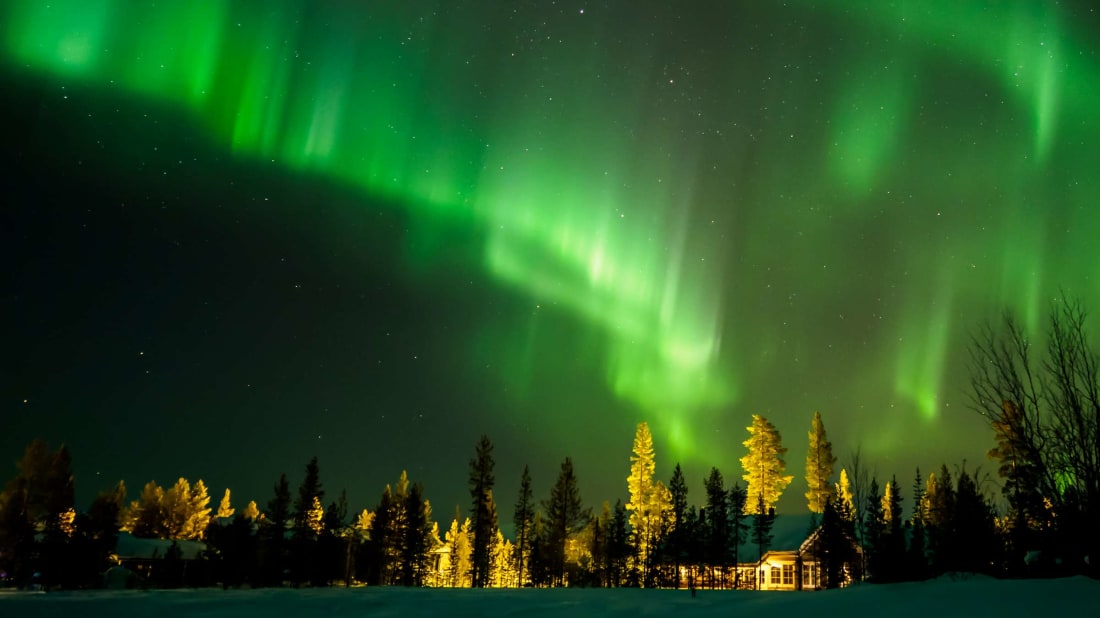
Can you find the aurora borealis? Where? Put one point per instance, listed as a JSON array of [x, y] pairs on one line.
[[572, 217]]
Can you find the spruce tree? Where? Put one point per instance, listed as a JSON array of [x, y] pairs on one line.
[[484, 518], [303, 506], [717, 552], [643, 517], [739, 529], [819, 466], [418, 542], [308, 515], [198, 512], [762, 520], [522, 521], [678, 488], [917, 562], [764, 466], [177, 510], [874, 528], [893, 540], [273, 545], [619, 545], [146, 516], [565, 516]]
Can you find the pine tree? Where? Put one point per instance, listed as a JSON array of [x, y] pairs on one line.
[[147, 517], [661, 507], [939, 496], [501, 571], [717, 551], [973, 540], [565, 516], [481, 491], [819, 466], [874, 529], [845, 504], [739, 530], [762, 520], [893, 541], [917, 561], [198, 512], [618, 545], [273, 545], [417, 544], [600, 546], [303, 506], [177, 510], [522, 522], [643, 518], [251, 512], [678, 489], [459, 540], [764, 465], [225, 511]]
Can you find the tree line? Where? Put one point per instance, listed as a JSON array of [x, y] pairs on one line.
[[1044, 416]]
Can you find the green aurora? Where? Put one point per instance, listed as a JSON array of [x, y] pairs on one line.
[[741, 207]]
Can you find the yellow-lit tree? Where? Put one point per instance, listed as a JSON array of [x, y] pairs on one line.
[[888, 503], [764, 466], [225, 511], [458, 539], [819, 467], [844, 489], [649, 500], [198, 512], [251, 512], [315, 516]]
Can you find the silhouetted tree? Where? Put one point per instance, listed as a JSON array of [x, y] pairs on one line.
[[522, 521], [272, 535], [739, 529], [565, 516], [762, 520], [483, 513], [717, 553]]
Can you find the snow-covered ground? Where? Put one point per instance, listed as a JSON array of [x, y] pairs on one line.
[[943, 598]]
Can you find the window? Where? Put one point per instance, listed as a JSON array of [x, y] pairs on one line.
[[788, 574], [773, 579], [809, 576]]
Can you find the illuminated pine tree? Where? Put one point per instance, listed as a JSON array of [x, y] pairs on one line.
[[764, 465], [643, 506], [177, 509], [363, 523], [146, 517], [501, 570], [887, 503], [251, 512], [315, 516], [819, 466], [198, 512], [309, 489], [844, 495], [224, 510], [459, 540]]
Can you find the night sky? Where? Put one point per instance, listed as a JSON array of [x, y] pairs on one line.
[[238, 234]]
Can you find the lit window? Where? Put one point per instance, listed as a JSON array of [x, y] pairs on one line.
[[809, 576], [774, 577], [788, 574]]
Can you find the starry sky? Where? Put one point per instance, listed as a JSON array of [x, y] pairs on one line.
[[239, 234]]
